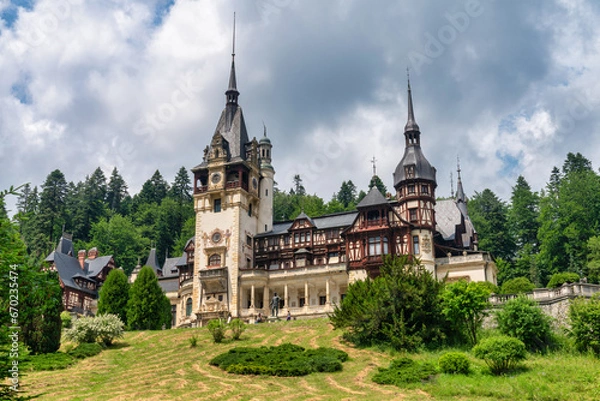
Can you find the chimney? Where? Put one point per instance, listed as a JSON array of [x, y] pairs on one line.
[[93, 253], [81, 257]]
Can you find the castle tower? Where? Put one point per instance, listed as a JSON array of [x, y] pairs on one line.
[[415, 183], [233, 189]]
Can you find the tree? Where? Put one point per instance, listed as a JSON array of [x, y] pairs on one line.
[[298, 187], [584, 316], [376, 182], [593, 265], [347, 194], [465, 304], [116, 192], [489, 215], [399, 308], [523, 214], [154, 190], [181, 189], [52, 205], [146, 308], [114, 295], [121, 238], [517, 285]]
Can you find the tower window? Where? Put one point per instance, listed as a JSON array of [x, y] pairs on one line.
[[409, 171], [214, 260], [217, 205], [412, 214], [250, 210], [266, 192], [416, 249], [248, 240], [188, 307], [411, 189], [424, 189]]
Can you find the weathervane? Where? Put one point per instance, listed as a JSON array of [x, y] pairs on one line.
[[373, 162]]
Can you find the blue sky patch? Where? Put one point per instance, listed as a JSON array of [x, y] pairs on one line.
[[162, 10]]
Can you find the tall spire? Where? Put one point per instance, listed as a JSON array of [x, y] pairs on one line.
[[411, 124], [460, 193], [232, 93]]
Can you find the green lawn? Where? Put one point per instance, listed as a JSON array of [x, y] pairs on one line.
[[161, 365]]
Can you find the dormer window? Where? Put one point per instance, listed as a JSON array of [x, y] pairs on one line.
[[410, 171]]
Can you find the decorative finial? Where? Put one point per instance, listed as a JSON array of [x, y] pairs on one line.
[[408, 77], [451, 186], [458, 166], [373, 162], [233, 46], [264, 129]]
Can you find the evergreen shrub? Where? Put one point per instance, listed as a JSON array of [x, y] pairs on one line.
[[500, 353], [237, 327], [404, 371], [517, 285], [66, 319], [284, 360], [454, 363], [522, 318], [85, 350]]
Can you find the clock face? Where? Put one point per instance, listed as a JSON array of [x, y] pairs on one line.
[[215, 178], [216, 237], [254, 183]]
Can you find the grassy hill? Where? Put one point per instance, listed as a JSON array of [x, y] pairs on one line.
[[161, 365]]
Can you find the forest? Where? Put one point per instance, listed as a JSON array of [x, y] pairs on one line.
[[534, 234]]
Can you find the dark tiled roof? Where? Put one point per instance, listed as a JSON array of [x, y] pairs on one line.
[[169, 269], [152, 261], [373, 198], [414, 156], [94, 266], [169, 284], [237, 136], [333, 220], [68, 267], [302, 216]]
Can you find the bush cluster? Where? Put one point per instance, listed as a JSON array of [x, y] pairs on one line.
[[50, 361], [104, 329], [284, 360], [85, 350], [403, 371], [454, 363], [584, 316], [523, 319], [66, 319], [500, 353], [559, 279]]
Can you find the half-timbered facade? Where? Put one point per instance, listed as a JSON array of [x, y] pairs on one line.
[[80, 277]]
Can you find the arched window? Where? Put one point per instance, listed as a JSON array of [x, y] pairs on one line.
[[188, 307], [250, 210], [214, 260]]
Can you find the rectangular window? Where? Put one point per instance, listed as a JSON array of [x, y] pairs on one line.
[[248, 263], [301, 302], [248, 240], [296, 238], [217, 205], [416, 249], [411, 189], [424, 189], [322, 300], [374, 246], [412, 214], [286, 240]]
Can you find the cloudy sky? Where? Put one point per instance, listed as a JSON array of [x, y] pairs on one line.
[[508, 86]]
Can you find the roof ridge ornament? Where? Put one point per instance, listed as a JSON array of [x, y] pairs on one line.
[[411, 123]]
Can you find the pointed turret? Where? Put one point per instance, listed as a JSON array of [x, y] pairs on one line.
[[411, 123], [461, 198], [413, 165]]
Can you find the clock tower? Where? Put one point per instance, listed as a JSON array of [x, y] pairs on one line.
[[233, 190]]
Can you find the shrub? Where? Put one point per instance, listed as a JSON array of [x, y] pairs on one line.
[[237, 327], [217, 329], [193, 341], [522, 318], [85, 350], [500, 353], [454, 363], [284, 360], [517, 285], [584, 316], [465, 305], [66, 319], [399, 308], [103, 328], [404, 371], [559, 279]]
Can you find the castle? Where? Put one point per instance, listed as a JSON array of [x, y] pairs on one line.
[[238, 258]]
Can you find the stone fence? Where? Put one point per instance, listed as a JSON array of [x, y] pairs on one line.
[[553, 301]]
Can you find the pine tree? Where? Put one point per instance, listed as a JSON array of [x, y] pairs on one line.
[[116, 192], [146, 308], [52, 205], [376, 181], [114, 295], [347, 194], [181, 189]]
